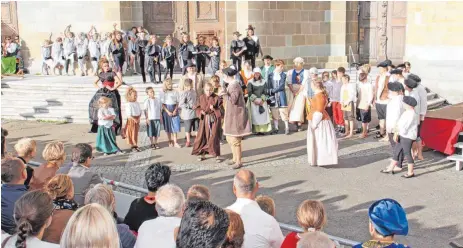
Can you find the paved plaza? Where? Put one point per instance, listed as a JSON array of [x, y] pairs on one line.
[[432, 199]]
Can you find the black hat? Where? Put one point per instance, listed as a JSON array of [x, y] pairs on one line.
[[414, 77], [230, 71], [383, 64], [409, 100], [401, 66], [267, 57], [396, 71], [410, 83], [389, 62], [189, 64], [395, 86]]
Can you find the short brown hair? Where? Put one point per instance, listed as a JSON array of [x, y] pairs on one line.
[[341, 69], [214, 80], [347, 77], [235, 232], [188, 83], [54, 152], [311, 214], [12, 169], [59, 186], [267, 204], [148, 89], [279, 62], [198, 192], [363, 76], [25, 147]]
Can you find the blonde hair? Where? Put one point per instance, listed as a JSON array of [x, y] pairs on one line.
[[25, 147], [315, 240], [319, 84], [366, 68], [311, 214], [104, 100], [54, 152], [90, 226], [168, 37], [129, 96], [167, 81], [187, 84], [101, 194], [59, 186], [214, 80], [266, 203], [279, 62], [208, 85]]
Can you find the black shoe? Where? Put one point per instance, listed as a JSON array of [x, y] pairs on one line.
[[377, 127], [123, 83], [359, 130]]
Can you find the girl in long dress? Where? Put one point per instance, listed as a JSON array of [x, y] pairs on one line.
[[257, 104], [106, 137], [322, 145], [133, 112], [298, 79], [208, 139]]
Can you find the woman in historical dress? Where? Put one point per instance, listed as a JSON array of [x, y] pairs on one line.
[[210, 119], [110, 83], [298, 79], [246, 74], [322, 145], [257, 104]]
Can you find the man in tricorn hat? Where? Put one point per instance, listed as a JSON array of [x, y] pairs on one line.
[[237, 49]]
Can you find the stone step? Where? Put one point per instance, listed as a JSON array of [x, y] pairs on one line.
[[436, 103], [431, 96], [46, 117], [458, 158], [458, 145]]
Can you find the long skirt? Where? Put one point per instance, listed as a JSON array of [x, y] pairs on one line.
[[296, 112], [261, 122], [9, 65], [171, 123], [208, 138], [131, 132], [322, 145], [117, 124], [106, 140]]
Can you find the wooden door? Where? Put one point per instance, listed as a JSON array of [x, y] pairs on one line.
[[9, 20], [368, 18], [397, 20], [159, 17]]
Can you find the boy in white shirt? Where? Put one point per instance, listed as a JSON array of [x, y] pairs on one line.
[[348, 100], [365, 99], [152, 108], [423, 108]]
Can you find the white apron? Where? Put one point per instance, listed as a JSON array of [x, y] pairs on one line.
[[322, 145]]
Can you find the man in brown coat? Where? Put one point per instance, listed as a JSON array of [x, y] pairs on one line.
[[236, 120], [197, 78]]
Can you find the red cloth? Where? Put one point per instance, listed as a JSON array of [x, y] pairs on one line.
[[337, 113], [109, 84], [440, 134], [290, 240]]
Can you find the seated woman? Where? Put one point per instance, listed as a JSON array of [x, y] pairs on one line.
[[61, 189], [55, 156], [26, 148], [387, 219], [33, 214], [9, 51]]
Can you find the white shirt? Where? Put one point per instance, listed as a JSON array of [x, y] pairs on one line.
[[132, 109], [30, 242], [422, 94], [394, 110], [408, 124], [261, 229], [170, 97], [102, 112], [329, 88], [351, 89], [415, 94], [157, 232], [364, 89], [94, 48], [153, 107]]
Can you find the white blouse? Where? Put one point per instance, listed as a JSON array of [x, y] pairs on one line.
[[408, 124], [394, 110], [102, 112], [153, 107], [132, 109], [170, 97]]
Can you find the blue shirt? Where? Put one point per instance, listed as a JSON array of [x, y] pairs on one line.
[[10, 194]]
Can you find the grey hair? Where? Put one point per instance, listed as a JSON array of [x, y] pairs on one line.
[[102, 194], [245, 187], [170, 200]]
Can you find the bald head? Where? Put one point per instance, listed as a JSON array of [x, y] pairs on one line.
[[245, 184]]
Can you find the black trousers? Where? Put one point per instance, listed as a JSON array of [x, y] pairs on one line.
[[170, 68], [404, 146], [251, 58], [141, 63], [400, 160], [153, 65], [185, 62], [201, 64], [237, 62]]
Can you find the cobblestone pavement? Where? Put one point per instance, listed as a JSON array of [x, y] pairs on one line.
[[432, 199]]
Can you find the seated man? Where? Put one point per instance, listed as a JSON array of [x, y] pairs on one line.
[[387, 219], [13, 176], [261, 229], [81, 175], [198, 192], [170, 202]]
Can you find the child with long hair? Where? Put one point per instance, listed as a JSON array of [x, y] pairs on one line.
[[152, 108], [133, 112], [187, 103], [215, 55], [169, 54], [170, 116], [106, 136]]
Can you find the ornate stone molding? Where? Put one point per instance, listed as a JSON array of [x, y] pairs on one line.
[[383, 30]]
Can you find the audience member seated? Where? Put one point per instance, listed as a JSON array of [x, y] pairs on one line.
[[33, 213], [54, 155], [170, 202], [387, 219], [81, 175], [104, 195], [261, 229], [198, 192], [235, 232], [144, 208], [60, 188], [90, 226], [203, 225], [26, 149], [311, 217], [267, 204], [13, 177], [315, 240], [4, 134]]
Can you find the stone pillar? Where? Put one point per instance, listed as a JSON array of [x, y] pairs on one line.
[[230, 26]]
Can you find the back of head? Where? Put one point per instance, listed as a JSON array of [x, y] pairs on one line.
[[25, 147], [267, 204], [12, 170], [156, 176], [4, 134], [244, 182], [170, 200], [311, 215], [235, 232], [32, 213], [90, 226], [101, 194], [198, 192], [81, 153], [203, 225], [60, 187], [54, 153], [315, 240]]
